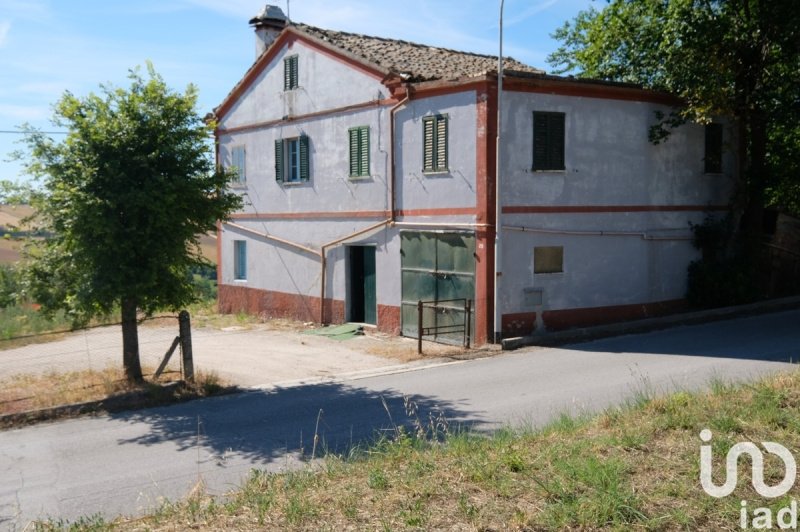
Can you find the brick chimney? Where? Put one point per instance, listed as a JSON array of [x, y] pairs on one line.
[[268, 23]]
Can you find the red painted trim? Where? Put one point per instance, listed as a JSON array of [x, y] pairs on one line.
[[271, 304], [309, 215], [299, 118], [485, 166], [351, 214], [454, 211], [585, 209], [524, 323], [587, 89]]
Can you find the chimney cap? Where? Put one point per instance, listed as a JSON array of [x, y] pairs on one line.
[[269, 16]]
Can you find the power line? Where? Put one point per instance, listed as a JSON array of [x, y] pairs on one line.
[[12, 132]]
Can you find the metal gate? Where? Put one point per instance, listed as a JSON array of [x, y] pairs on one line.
[[437, 267]]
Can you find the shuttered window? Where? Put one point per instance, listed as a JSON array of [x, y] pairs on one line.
[[290, 73], [548, 141], [238, 160], [713, 155], [240, 260], [359, 151], [291, 160], [434, 143]]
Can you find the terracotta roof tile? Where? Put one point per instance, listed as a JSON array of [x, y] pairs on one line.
[[418, 62]]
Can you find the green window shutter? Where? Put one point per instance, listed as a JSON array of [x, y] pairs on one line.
[[548, 141], [354, 159], [427, 144], [279, 161], [441, 143], [290, 76], [363, 159], [304, 168]]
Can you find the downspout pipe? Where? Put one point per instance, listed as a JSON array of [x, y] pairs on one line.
[[392, 156]]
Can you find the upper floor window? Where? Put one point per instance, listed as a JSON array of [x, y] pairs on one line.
[[713, 154], [238, 165], [291, 160], [434, 143], [548, 141], [359, 151], [290, 73]]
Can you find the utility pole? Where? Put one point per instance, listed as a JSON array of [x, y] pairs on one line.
[[498, 226]]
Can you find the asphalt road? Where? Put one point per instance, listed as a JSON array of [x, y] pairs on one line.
[[127, 463]]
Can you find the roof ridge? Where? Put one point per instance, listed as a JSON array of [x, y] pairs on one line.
[[302, 25]]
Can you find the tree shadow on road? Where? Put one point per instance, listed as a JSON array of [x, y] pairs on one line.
[[263, 426]]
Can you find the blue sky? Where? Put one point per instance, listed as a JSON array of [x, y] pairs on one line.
[[51, 46]]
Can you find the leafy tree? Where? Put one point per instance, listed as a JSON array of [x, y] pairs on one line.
[[125, 196], [738, 58]]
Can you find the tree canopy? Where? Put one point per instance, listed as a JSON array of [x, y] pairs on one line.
[[125, 196], [734, 58]]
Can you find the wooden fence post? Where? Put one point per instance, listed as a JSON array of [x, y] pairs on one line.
[[185, 328], [419, 327]]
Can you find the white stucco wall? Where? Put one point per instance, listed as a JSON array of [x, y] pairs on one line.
[[454, 188], [609, 163], [324, 83]]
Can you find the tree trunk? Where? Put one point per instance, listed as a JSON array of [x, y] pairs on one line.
[[130, 341]]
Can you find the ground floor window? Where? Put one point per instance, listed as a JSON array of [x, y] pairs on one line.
[[240, 260]]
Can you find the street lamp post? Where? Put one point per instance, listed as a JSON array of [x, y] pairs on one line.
[[498, 228]]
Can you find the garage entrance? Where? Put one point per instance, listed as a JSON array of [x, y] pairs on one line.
[[436, 267]]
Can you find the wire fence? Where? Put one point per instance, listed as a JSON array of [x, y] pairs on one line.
[[78, 363]]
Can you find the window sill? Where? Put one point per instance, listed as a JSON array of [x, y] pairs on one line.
[[545, 171], [293, 184], [240, 281], [357, 178], [436, 173], [238, 186]]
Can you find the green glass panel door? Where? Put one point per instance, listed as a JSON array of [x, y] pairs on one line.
[[436, 267]]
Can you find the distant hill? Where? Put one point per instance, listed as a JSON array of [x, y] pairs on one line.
[[11, 217]]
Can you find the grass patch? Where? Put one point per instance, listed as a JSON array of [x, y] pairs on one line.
[[631, 468], [31, 392]]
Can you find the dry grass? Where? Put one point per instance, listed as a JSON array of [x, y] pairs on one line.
[[29, 392], [631, 468]]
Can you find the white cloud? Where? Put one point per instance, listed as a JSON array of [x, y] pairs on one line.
[[531, 11], [5, 26]]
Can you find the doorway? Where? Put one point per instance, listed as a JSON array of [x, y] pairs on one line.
[[362, 304]]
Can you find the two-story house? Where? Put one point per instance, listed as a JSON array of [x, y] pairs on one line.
[[369, 171]]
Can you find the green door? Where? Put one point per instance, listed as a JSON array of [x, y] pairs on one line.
[[362, 300], [436, 267]]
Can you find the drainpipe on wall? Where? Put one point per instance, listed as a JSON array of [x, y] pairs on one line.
[[392, 157], [498, 227]]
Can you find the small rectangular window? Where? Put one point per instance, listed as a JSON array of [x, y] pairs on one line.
[[434, 143], [548, 141], [238, 164], [713, 154], [359, 151], [548, 259], [290, 73], [240, 260], [291, 160]]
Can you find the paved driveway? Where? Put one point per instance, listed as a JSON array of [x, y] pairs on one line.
[[253, 356]]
